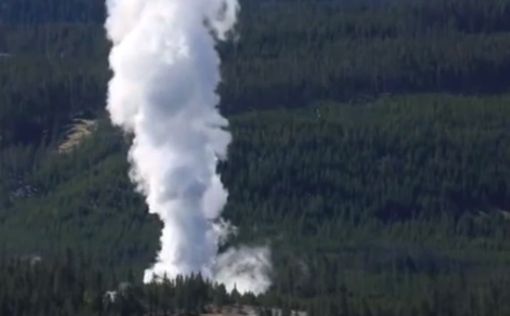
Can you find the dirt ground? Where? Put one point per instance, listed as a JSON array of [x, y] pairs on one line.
[[77, 133]]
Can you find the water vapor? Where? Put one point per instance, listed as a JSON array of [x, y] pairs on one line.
[[163, 92]]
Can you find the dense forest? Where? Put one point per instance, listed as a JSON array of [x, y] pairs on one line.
[[371, 152]]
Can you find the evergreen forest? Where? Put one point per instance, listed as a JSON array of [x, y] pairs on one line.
[[371, 153]]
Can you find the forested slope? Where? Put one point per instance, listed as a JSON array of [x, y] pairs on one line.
[[395, 158], [371, 152]]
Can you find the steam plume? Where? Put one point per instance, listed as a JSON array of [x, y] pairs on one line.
[[166, 71]]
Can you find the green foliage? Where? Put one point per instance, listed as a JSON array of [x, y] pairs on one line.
[[291, 53], [32, 286], [82, 200], [370, 152], [37, 12], [394, 158]]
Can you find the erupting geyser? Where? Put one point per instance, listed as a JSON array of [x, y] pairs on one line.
[[166, 71]]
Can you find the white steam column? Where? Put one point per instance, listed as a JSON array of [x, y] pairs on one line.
[[163, 92]]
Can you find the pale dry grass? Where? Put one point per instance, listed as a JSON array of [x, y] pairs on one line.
[[77, 133], [232, 311]]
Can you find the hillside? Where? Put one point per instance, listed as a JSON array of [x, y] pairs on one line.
[[371, 152]]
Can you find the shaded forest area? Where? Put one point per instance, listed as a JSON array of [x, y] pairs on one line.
[[371, 151]]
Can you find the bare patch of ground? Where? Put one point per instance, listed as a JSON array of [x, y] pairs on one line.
[[248, 311], [232, 311], [77, 133]]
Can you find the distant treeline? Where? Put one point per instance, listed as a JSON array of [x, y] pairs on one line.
[[30, 12], [291, 53], [286, 54]]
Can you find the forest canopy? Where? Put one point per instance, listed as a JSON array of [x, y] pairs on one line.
[[371, 152]]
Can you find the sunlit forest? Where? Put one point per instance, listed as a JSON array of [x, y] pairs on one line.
[[371, 152]]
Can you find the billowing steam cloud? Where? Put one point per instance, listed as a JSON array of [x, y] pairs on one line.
[[166, 71]]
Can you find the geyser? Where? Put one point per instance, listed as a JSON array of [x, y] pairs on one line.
[[163, 91]]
